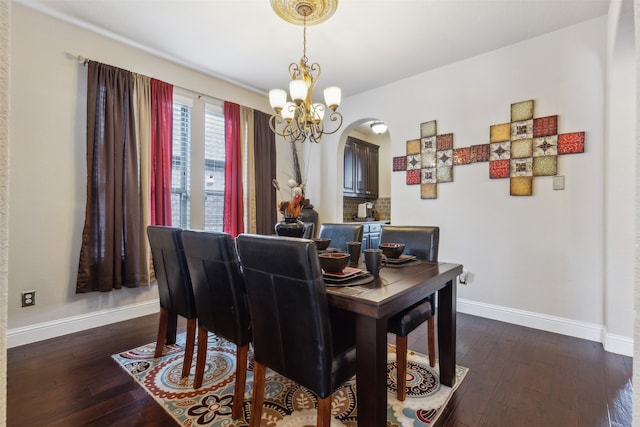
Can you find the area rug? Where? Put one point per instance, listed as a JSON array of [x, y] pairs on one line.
[[286, 404]]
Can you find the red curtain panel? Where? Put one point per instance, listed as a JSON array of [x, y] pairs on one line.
[[161, 151], [233, 208]]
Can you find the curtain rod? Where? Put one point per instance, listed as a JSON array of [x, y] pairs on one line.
[[84, 61]]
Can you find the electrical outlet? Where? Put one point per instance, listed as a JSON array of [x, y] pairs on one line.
[[28, 298]]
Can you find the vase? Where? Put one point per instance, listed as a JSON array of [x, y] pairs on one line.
[[308, 214], [290, 227]]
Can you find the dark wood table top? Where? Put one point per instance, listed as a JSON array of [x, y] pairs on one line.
[[394, 289]]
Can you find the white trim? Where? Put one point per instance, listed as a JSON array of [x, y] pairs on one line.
[[589, 331], [55, 328]]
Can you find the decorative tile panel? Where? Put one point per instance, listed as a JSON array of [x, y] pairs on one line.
[[545, 126], [545, 146], [461, 156], [413, 147], [500, 133], [444, 142], [499, 169], [400, 163], [545, 165], [570, 143], [522, 130], [500, 150], [520, 150], [479, 153], [522, 111], [429, 191], [413, 177], [521, 186], [428, 129]]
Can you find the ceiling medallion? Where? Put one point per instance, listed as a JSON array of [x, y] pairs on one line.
[[295, 11]]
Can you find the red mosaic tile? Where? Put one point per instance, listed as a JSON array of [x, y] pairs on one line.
[[444, 142], [413, 177], [545, 126], [400, 163], [479, 153], [461, 156], [569, 143], [499, 169]]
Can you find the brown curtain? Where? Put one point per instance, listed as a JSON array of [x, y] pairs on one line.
[[110, 252], [265, 167]]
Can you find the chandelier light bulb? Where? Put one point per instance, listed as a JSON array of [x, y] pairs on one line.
[[298, 90], [277, 99], [332, 97]]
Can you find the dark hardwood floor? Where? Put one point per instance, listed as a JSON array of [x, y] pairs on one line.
[[518, 377]]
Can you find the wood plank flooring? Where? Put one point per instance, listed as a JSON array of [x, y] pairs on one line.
[[518, 377]]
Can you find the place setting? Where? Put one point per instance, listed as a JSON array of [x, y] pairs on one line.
[[339, 268], [395, 256]]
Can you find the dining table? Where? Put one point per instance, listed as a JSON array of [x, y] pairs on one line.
[[396, 288]]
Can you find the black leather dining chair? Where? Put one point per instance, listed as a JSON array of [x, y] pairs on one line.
[[292, 321], [340, 234], [221, 301], [422, 242], [174, 287], [309, 230]]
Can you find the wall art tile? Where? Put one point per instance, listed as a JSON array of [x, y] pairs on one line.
[[545, 165], [445, 173], [521, 167], [521, 148], [413, 177], [521, 186], [545, 126], [500, 133], [428, 143], [413, 161], [500, 150], [428, 129], [545, 146], [499, 169], [445, 158], [413, 147], [479, 153], [444, 142], [400, 163], [522, 111], [428, 176], [461, 156], [429, 159], [428, 191], [570, 143], [522, 130]]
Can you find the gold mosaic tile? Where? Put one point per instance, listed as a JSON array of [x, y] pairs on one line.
[[413, 147], [428, 129], [500, 133], [521, 148], [428, 191]]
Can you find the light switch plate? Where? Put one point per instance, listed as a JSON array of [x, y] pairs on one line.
[[558, 182]]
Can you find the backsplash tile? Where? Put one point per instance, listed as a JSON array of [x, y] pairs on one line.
[[381, 206]]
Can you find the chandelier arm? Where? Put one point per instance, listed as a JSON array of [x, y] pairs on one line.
[[274, 120], [334, 116]]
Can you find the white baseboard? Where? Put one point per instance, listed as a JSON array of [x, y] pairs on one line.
[[42, 331], [589, 331]]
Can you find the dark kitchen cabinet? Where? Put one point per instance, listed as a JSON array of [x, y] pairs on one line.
[[360, 169]]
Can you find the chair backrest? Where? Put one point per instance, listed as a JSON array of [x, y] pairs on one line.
[[218, 285], [340, 234], [420, 241], [289, 309], [309, 230], [174, 283]]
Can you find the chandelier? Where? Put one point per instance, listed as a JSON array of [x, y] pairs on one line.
[[300, 118]]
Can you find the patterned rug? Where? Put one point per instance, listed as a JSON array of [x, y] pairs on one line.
[[286, 403]]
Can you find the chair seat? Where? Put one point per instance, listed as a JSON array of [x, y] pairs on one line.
[[406, 321]]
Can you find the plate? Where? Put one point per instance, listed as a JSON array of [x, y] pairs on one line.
[[346, 274], [401, 259]]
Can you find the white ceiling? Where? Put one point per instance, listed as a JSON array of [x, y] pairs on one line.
[[366, 44]]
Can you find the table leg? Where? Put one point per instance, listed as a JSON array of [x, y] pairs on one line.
[[371, 371], [447, 333]]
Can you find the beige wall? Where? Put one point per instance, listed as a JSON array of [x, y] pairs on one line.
[[48, 172]]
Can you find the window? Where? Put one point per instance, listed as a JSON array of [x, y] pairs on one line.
[[197, 181], [214, 157], [181, 170]]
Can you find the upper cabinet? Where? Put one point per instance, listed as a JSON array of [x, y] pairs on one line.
[[360, 169]]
